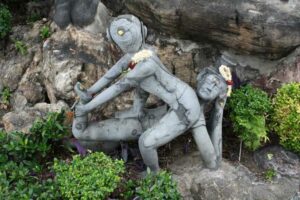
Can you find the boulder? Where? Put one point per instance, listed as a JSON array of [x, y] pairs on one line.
[[268, 28], [229, 182], [284, 162], [22, 120]]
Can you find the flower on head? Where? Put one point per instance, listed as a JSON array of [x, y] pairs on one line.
[[226, 73]]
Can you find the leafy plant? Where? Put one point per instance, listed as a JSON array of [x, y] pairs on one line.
[[5, 96], [286, 117], [270, 174], [249, 108], [33, 17], [160, 186], [128, 189], [45, 32], [17, 181], [21, 47], [22, 160], [92, 177], [5, 21]]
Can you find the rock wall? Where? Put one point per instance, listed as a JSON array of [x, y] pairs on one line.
[[266, 27]]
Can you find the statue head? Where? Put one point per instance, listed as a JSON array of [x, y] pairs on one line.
[[211, 84], [128, 32]]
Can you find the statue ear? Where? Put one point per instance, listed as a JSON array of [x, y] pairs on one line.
[[108, 35], [145, 30]]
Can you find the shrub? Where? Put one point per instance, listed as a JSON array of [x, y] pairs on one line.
[[33, 17], [21, 47], [45, 32], [5, 95], [17, 182], [5, 21], [270, 174], [249, 108], [286, 117], [48, 132], [21, 170], [157, 187], [92, 177]]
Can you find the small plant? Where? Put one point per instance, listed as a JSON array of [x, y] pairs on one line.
[[45, 32], [23, 161], [249, 108], [44, 134], [5, 21], [93, 177], [286, 117], [33, 17], [157, 187], [21, 47], [270, 174], [48, 132], [5, 98]]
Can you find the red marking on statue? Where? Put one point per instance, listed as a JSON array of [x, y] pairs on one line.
[[229, 82], [131, 65]]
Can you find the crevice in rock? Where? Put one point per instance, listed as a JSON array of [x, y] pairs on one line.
[[237, 18]]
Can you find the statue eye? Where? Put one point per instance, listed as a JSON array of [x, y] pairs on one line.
[[121, 32]]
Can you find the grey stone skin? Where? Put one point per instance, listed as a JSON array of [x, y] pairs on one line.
[[151, 76]]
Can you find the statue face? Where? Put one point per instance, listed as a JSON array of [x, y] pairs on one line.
[[126, 33], [210, 87]]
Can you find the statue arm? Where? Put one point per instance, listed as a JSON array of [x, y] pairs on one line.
[[110, 75], [108, 94], [141, 71], [216, 126]]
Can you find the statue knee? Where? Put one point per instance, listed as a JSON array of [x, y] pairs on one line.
[[145, 142]]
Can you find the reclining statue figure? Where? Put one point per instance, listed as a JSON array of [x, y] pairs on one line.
[[146, 73]]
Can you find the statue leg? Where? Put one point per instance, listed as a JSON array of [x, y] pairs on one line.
[[167, 128], [204, 144], [107, 130], [105, 135]]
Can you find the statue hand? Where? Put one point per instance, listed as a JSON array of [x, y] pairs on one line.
[[80, 111], [220, 103], [84, 96]]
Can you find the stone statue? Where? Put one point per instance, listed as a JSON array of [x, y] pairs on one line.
[[91, 15], [145, 72]]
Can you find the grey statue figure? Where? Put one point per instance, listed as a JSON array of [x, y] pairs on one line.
[[147, 74]]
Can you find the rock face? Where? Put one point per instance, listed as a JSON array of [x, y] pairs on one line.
[[229, 182], [285, 163], [22, 120], [266, 27]]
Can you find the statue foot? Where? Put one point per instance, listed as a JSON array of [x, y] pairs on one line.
[[143, 174], [213, 165], [84, 96]]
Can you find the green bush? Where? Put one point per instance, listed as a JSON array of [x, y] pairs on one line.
[[23, 160], [249, 108], [270, 174], [21, 47], [45, 32], [157, 187], [93, 177], [37, 144], [5, 95], [18, 182], [286, 117], [5, 21]]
